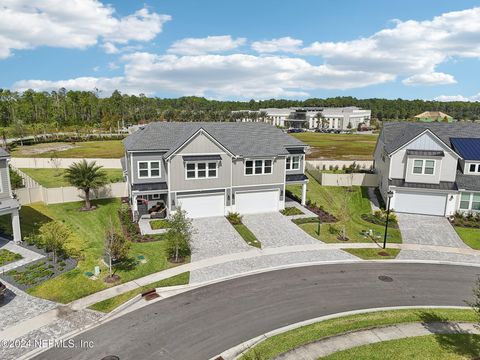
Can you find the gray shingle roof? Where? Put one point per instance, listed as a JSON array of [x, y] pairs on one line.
[[241, 139], [443, 185], [468, 182], [397, 134]]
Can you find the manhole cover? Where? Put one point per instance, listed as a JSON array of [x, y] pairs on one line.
[[385, 278], [111, 357]]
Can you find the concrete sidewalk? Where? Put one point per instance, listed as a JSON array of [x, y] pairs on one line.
[[255, 253], [349, 340]]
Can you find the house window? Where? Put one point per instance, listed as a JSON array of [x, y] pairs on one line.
[[470, 201], [258, 167], [426, 167], [201, 170], [293, 163], [474, 168], [148, 169]]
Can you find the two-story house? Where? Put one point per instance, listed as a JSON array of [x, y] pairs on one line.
[[431, 168], [8, 205], [211, 168]]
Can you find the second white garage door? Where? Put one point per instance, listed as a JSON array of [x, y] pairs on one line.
[[418, 203], [205, 205], [256, 201]]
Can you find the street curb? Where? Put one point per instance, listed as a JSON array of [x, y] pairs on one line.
[[185, 288], [237, 351]]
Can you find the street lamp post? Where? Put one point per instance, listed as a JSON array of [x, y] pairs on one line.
[[389, 196], [318, 227]]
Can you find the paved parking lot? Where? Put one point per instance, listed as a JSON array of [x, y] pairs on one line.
[[215, 236], [428, 230], [274, 229]]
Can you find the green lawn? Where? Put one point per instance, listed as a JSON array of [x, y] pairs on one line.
[[7, 256], [108, 149], [160, 224], [347, 204], [339, 146], [247, 235], [470, 236], [278, 344], [374, 254], [114, 302], [89, 229], [51, 178], [292, 210], [430, 347]]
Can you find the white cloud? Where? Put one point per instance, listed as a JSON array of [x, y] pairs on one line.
[[284, 44], [110, 48], [435, 78], [26, 24], [411, 48], [209, 44], [218, 76], [458, 98], [112, 65]]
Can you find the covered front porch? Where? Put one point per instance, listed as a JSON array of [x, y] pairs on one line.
[[149, 201], [299, 179], [11, 207]]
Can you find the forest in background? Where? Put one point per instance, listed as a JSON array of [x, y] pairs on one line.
[[31, 111]]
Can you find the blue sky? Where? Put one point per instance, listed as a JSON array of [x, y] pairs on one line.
[[245, 49]]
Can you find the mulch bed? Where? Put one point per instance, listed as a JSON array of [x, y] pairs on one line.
[[112, 279], [324, 216]]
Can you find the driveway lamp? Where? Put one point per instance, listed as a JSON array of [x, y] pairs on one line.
[[389, 197], [318, 227]]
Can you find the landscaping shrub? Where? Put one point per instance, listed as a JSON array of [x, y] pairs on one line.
[[15, 179], [130, 229], [467, 219], [234, 218], [371, 218]]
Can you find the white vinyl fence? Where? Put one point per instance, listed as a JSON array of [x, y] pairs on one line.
[[318, 164], [353, 179], [67, 194], [61, 163]]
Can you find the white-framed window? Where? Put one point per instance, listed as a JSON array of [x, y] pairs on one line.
[[148, 169], [474, 168], [425, 167], [258, 167], [470, 201], [293, 162], [155, 196], [201, 170]]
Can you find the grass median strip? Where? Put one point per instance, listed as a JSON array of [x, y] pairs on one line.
[[247, 235], [278, 344], [374, 253], [7, 256], [114, 302], [438, 347]]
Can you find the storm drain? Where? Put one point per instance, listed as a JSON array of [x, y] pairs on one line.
[[385, 278], [111, 357]]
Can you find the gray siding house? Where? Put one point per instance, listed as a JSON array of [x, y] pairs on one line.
[[431, 168], [211, 168], [8, 205]]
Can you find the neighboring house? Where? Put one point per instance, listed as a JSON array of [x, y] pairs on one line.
[[432, 168], [431, 116], [211, 168], [8, 205], [311, 117]]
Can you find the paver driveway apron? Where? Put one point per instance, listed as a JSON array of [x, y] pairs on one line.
[[215, 236], [428, 230], [274, 229]]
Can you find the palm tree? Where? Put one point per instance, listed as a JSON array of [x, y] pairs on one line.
[[86, 176]]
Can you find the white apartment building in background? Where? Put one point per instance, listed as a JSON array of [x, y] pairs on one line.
[[308, 117]]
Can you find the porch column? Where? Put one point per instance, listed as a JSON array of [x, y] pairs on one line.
[[304, 194], [17, 235]]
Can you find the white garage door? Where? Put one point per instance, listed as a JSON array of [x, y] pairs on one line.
[[418, 203], [256, 201], [198, 206]]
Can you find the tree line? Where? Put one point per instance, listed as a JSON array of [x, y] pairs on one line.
[[62, 108]]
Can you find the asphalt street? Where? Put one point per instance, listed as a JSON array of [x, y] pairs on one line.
[[204, 322]]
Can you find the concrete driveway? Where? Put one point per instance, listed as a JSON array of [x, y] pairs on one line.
[[274, 229], [428, 230], [215, 236]]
